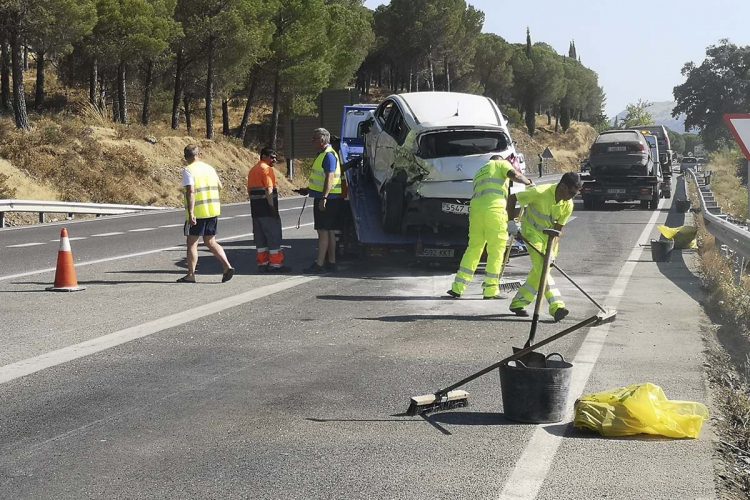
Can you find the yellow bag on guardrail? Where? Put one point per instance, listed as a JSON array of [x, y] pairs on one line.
[[639, 409], [683, 236]]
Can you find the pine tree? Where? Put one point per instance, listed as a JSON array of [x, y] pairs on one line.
[[572, 50]]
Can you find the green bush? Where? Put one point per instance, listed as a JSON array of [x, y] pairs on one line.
[[5, 190]]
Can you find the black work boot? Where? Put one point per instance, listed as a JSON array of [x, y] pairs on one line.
[[560, 314]]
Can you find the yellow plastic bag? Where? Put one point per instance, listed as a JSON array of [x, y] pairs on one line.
[[639, 409], [683, 236]]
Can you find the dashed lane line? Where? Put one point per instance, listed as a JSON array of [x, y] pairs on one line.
[[142, 230], [48, 360], [182, 224], [137, 254], [21, 245], [106, 234], [534, 464]]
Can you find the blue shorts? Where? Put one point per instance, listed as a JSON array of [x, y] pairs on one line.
[[202, 227]]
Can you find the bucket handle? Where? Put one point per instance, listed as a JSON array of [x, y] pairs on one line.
[[554, 354]]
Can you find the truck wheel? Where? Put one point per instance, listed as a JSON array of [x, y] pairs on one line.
[[655, 200], [392, 203]]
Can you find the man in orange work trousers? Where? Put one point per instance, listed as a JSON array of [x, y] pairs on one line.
[[264, 207]]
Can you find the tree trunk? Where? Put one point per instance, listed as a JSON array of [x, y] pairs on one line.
[[115, 104], [276, 110], [102, 99], [530, 108], [447, 75], [122, 101], [39, 96], [93, 77], [225, 116], [210, 90], [188, 118], [248, 110], [177, 97], [6, 103], [19, 99], [410, 77], [432, 71], [549, 117], [147, 92], [25, 57]]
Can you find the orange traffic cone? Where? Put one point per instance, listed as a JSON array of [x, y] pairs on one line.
[[65, 274]]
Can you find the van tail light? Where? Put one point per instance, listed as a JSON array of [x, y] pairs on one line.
[[645, 190]]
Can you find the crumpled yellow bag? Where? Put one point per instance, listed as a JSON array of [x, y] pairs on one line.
[[639, 409], [683, 236]]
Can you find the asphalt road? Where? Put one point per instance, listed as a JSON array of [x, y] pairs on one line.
[[290, 386]]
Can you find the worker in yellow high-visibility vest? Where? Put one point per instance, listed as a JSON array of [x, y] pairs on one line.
[[544, 207], [202, 210], [488, 226]]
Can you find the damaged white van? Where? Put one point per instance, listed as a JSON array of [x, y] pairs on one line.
[[423, 150]]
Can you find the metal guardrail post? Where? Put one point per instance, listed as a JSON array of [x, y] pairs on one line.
[[2, 220], [41, 218]]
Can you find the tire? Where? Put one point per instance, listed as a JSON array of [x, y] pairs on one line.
[[588, 203], [655, 200], [392, 206], [644, 204]]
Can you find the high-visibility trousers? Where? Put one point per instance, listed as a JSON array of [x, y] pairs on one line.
[[490, 228], [527, 293]]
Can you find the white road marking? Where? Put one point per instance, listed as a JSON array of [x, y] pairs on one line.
[[174, 225], [246, 215], [227, 217], [141, 230], [106, 234], [32, 365], [70, 239], [533, 466], [130, 255], [21, 245]]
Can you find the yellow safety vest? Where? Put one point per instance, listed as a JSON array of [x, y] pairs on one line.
[[318, 175], [206, 184], [542, 212], [491, 185]]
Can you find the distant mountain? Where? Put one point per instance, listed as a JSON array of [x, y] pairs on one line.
[[662, 114]]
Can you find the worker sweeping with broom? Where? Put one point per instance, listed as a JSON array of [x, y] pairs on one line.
[[544, 207], [488, 226]]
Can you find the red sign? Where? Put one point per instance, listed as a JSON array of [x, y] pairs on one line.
[[739, 125]]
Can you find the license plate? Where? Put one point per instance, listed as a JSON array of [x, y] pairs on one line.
[[455, 208], [437, 252], [616, 191], [617, 148]]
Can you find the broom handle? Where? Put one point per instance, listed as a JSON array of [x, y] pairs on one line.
[[571, 280], [588, 321], [551, 235]]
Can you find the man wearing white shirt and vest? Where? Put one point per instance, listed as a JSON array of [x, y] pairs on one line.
[[488, 226], [325, 189], [202, 210], [544, 207]]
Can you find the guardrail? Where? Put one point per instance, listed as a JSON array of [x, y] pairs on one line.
[[731, 235], [69, 208]]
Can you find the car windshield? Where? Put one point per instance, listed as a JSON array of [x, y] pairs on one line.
[[462, 143]]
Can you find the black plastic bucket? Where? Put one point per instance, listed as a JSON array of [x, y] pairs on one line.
[[661, 250], [682, 206], [535, 395]]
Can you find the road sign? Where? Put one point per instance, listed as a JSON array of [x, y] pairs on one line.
[[547, 154], [739, 125]]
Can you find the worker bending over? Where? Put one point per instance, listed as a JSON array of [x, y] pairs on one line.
[[488, 226], [545, 206]]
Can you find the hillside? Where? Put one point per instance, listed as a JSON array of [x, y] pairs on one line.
[[568, 148]]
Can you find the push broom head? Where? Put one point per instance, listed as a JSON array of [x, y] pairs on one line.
[[510, 285], [435, 402], [606, 317]]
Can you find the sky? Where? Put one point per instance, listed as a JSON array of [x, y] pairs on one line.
[[638, 49]]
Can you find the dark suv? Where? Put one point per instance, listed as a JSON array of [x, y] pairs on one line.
[[620, 152]]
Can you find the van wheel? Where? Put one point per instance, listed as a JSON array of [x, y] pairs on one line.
[[392, 206]]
